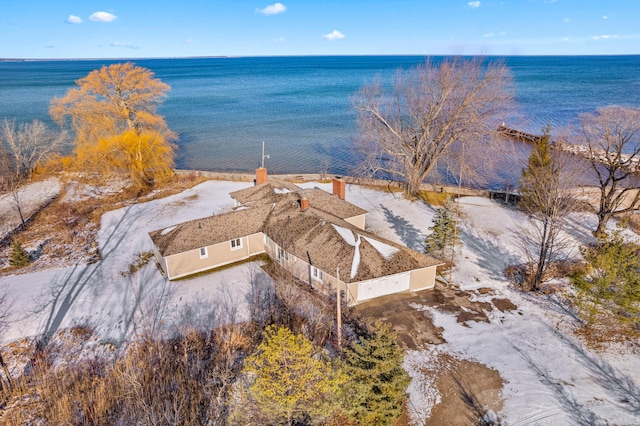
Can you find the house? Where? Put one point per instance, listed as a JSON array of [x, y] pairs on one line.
[[318, 236]]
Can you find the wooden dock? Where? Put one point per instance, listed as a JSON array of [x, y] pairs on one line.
[[629, 163], [518, 135]]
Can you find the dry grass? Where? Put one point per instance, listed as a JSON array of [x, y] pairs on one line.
[[607, 329], [184, 380], [436, 199], [65, 232], [631, 220]]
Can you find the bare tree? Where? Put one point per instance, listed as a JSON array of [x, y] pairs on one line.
[[546, 198], [612, 140], [429, 108], [5, 320], [29, 144]]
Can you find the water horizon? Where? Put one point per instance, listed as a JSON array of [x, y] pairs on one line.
[[223, 108]]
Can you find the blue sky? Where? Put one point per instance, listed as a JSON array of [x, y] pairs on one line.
[[169, 28]]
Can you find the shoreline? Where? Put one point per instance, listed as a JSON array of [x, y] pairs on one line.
[[352, 180]]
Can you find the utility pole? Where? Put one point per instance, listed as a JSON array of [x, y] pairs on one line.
[[455, 229], [263, 156]]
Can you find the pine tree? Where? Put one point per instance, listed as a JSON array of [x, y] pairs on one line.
[[443, 231], [289, 382], [539, 173], [19, 257], [377, 381], [543, 185], [612, 279]]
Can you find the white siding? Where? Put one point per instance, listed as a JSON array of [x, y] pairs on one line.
[[383, 286]]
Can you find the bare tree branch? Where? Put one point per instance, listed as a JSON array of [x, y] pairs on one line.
[[612, 140], [546, 185], [430, 108], [29, 145]]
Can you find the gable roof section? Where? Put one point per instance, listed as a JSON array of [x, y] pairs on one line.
[[210, 230], [268, 192], [315, 236], [275, 191]]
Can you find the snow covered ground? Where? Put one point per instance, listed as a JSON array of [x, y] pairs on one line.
[[551, 378], [116, 303], [26, 200]]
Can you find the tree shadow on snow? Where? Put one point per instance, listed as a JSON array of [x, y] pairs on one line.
[[65, 291], [576, 411], [620, 386], [409, 235], [491, 257]]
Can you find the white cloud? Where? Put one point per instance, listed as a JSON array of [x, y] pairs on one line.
[[102, 17], [565, 20], [280, 39], [500, 34], [187, 40], [125, 45], [334, 35], [474, 4], [73, 19], [604, 37], [273, 9], [605, 17]]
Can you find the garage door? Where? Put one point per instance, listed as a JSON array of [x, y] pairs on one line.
[[383, 286]]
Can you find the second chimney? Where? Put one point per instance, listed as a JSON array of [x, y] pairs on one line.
[[261, 175], [339, 188], [304, 203]]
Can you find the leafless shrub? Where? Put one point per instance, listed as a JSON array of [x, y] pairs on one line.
[[29, 144]]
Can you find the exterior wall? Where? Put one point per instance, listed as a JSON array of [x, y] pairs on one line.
[[161, 260], [301, 269], [352, 294], [358, 221], [382, 286], [187, 263], [422, 279]]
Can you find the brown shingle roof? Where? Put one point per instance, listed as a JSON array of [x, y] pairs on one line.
[[209, 230], [311, 236], [274, 209], [275, 190]]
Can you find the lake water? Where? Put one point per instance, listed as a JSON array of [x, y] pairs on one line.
[[224, 108]]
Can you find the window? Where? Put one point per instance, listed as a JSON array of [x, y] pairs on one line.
[[281, 255], [236, 244], [316, 273], [203, 253]]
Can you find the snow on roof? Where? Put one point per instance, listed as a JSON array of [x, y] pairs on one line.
[[165, 231], [281, 190], [384, 249], [345, 233]]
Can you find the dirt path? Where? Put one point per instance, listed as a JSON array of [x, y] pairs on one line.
[[468, 390]]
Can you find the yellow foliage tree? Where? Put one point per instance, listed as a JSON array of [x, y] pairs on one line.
[[113, 113], [147, 157], [288, 382]]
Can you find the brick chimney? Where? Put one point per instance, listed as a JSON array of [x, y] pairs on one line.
[[304, 203], [339, 188], [261, 175]]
